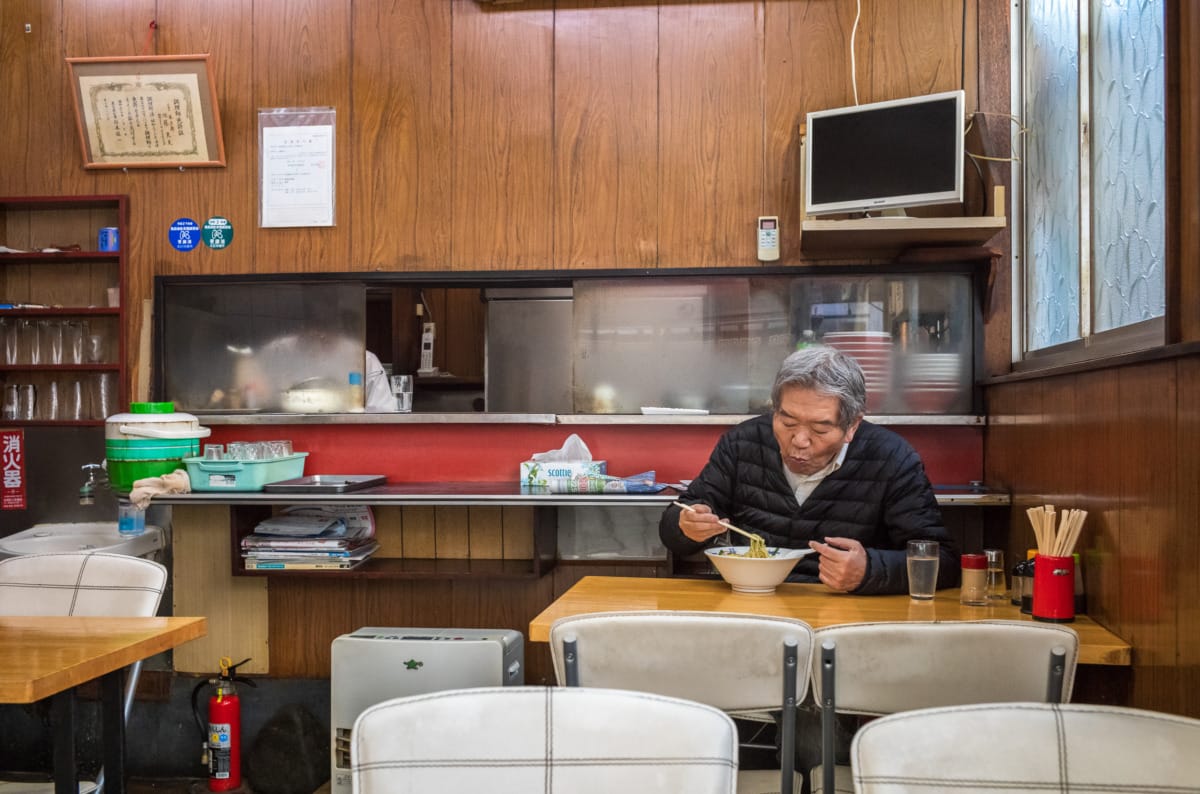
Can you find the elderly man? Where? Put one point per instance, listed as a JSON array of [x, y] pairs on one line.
[[816, 473]]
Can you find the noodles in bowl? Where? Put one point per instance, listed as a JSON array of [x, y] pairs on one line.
[[758, 575]]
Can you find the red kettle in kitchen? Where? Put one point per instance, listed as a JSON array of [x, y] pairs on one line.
[[223, 732]]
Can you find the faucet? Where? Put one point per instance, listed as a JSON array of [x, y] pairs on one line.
[[96, 477]]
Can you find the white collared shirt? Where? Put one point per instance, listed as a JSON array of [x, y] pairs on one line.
[[804, 484]]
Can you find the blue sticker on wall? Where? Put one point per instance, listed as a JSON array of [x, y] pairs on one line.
[[218, 232], [184, 234]]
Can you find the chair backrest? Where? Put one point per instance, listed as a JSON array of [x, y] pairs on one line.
[[731, 661], [885, 667], [547, 739], [1007, 747], [81, 583]]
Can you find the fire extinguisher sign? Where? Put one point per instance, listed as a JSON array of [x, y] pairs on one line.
[[12, 454]]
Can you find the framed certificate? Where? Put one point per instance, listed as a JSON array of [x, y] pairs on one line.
[[153, 111]]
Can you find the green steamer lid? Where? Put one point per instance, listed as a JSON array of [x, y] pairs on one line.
[[152, 408]]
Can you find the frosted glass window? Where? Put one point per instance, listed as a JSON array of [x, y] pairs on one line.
[[1088, 274], [716, 343], [1128, 162], [1052, 174]]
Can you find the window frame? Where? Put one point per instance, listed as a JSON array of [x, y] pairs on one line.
[[1091, 345]]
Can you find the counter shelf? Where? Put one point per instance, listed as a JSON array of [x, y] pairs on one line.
[[247, 509], [416, 418]]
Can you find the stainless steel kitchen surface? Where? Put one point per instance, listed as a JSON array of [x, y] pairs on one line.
[[528, 361]]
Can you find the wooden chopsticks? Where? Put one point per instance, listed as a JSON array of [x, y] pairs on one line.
[[724, 523], [1052, 542]]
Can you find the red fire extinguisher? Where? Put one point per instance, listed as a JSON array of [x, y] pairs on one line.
[[223, 731]]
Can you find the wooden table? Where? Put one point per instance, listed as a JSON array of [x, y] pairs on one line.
[[43, 657], [812, 603]]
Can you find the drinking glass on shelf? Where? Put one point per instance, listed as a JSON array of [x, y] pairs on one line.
[[104, 395], [27, 404], [76, 409], [29, 348], [73, 335], [50, 406], [8, 330], [93, 348], [214, 451], [51, 342], [12, 401]]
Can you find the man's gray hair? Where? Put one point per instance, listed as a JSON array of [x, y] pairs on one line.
[[828, 371]]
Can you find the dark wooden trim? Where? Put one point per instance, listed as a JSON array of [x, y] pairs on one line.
[[1175, 46], [1181, 350], [1183, 147]]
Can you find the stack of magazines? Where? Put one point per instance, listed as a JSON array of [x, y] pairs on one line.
[[322, 537]]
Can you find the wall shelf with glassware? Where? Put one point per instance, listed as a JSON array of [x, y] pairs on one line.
[[62, 335]]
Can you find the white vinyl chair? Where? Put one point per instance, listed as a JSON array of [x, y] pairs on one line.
[[887, 667], [745, 665], [86, 584], [545, 739], [1021, 747]]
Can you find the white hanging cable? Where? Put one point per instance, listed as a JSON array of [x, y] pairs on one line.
[[853, 31]]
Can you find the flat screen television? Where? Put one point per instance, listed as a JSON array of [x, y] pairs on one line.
[[897, 153]]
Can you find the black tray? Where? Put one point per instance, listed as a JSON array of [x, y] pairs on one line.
[[325, 483]]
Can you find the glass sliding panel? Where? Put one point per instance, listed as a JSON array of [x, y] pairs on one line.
[[1128, 162], [673, 343], [912, 336], [262, 347], [717, 343], [1052, 219]]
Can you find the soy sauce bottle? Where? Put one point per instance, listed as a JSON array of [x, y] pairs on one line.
[[1023, 573]]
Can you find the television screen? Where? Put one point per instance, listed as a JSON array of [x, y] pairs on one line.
[[898, 153]]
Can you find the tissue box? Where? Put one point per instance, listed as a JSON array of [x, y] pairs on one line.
[[540, 473]]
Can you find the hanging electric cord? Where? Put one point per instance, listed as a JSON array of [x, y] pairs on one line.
[[962, 49], [975, 158], [1021, 130], [853, 32]]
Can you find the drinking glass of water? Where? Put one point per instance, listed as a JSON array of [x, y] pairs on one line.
[[402, 390], [922, 569]]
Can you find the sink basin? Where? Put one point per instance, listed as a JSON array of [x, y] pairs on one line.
[[93, 536]]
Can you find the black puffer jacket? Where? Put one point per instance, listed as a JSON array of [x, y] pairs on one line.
[[880, 497]]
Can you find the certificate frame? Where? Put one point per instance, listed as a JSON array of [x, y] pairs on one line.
[[126, 118]]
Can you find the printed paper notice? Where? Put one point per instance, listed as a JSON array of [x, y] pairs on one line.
[[297, 176]]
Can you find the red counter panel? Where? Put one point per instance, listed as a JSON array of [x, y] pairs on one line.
[[412, 452]]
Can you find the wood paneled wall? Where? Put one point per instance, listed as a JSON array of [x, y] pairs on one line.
[[1124, 444], [306, 615], [541, 134]]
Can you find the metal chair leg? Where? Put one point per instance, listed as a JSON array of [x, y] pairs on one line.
[[828, 716]]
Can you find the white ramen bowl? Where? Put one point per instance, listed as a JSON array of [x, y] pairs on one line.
[[759, 575]]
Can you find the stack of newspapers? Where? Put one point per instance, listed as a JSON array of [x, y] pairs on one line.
[[321, 537]]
